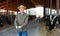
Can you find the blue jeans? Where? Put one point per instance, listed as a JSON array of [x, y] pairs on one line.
[[22, 33]]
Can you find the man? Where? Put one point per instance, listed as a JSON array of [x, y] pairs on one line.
[[21, 20], [38, 19]]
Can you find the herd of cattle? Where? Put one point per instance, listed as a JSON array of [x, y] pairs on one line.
[[52, 24], [6, 19]]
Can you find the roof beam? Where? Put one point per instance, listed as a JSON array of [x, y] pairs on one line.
[[35, 2]]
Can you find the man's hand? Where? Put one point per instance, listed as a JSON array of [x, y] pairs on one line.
[[18, 27]]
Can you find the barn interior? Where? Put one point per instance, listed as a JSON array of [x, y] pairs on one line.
[[48, 10]]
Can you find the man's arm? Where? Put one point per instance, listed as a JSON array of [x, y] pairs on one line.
[[15, 22]]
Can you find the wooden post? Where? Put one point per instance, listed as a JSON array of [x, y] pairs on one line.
[[57, 6], [50, 10], [7, 9], [17, 6], [46, 5]]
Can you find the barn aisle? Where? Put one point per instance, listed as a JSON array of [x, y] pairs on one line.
[[34, 29]]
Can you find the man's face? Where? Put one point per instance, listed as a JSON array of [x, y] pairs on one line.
[[21, 9]]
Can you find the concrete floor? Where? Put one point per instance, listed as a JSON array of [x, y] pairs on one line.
[[34, 29]]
